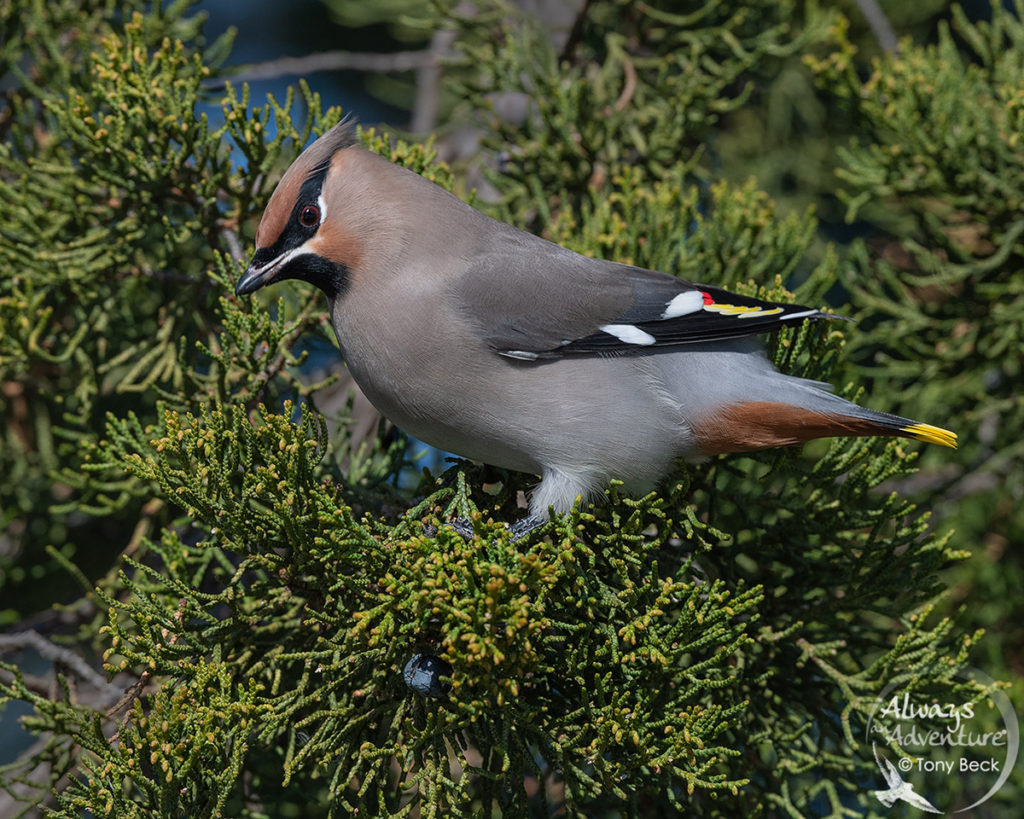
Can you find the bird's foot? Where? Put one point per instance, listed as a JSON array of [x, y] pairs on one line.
[[464, 527], [525, 525], [520, 528]]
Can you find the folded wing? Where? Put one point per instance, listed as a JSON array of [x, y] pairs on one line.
[[540, 302]]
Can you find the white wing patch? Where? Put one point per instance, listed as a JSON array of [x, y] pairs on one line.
[[689, 302], [629, 334], [522, 355]]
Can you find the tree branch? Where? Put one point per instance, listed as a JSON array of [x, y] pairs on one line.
[[428, 83], [64, 656], [880, 24], [334, 61]]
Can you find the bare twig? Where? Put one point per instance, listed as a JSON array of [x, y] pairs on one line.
[[64, 656], [880, 24], [127, 701], [33, 682], [628, 89], [428, 83], [233, 243], [334, 61]]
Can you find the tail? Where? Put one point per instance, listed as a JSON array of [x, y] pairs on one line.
[[750, 425], [927, 433], [881, 423], [735, 401]]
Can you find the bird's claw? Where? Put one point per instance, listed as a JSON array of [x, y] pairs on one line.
[[463, 527], [520, 528], [524, 526]]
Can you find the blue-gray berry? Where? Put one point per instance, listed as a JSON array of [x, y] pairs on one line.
[[423, 675]]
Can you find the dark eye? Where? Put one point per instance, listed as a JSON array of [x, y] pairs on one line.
[[309, 215]]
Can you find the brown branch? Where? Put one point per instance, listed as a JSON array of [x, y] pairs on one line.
[[628, 89]]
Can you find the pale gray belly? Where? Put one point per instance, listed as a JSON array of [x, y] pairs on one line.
[[603, 418]]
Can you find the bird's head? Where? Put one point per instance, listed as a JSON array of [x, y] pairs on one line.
[[300, 236]]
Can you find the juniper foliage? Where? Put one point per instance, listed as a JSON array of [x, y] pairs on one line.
[[940, 289], [712, 648]]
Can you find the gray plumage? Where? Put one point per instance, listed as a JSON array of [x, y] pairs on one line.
[[499, 346]]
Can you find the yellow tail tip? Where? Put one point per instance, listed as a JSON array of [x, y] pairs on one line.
[[933, 435]]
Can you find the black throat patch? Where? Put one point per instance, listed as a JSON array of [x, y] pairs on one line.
[[331, 277]]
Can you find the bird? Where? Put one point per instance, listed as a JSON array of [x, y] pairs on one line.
[[496, 345], [897, 789]]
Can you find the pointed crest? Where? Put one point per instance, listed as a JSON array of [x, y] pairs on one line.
[[318, 156]]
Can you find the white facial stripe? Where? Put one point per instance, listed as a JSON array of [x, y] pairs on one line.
[[629, 333], [689, 302], [281, 261], [804, 314], [323, 207]]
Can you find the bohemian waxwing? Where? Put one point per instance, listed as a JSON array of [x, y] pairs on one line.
[[496, 345]]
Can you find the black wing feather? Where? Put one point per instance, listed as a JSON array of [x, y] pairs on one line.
[[582, 306], [706, 325]]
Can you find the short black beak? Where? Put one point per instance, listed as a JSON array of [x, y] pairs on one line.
[[297, 263], [251, 281], [256, 276]]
